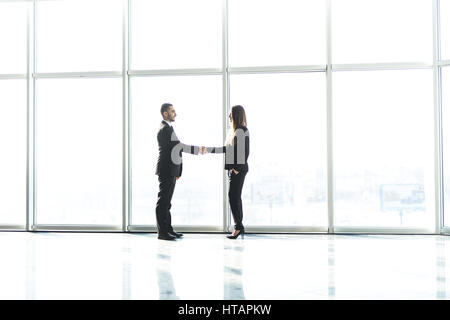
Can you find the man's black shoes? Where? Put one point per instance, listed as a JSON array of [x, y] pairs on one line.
[[172, 235], [176, 234], [166, 236]]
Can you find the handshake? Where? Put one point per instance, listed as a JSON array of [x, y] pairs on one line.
[[203, 150]]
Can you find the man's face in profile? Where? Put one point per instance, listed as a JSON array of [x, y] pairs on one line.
[[171, 114]]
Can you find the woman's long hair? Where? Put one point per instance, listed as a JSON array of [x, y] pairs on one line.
[[239, 120]]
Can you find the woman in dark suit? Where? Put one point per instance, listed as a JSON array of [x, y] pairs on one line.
[[236, 149]]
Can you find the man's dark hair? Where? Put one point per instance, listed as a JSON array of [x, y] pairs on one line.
[[165, 107]]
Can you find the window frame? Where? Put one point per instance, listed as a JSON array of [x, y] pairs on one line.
[[225, 71]]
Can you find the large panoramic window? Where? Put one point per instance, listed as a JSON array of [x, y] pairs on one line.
[[13, 146], [446, 141], [79, 151], [197, 199], [366, 31], [13, 113], [175, 34], [282, 32], [445, 29], [79, 35], [286, 114], [383, 148], [82, 70], [13, 37]]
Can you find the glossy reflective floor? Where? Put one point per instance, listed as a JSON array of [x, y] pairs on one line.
[[209, 266]]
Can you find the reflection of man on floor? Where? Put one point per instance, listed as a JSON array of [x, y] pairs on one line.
[[165, 281]]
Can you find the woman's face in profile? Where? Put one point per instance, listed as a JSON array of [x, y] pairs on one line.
[[230, 117]]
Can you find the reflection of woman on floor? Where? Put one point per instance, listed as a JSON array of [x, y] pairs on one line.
[[233, 269]]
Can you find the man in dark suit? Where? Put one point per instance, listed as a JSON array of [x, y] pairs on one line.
[[169, 170]]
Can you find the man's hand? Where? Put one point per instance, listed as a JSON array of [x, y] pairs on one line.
[[202, 150], [235, 172], [178, 178]]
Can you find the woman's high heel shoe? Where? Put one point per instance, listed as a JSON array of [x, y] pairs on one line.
[[237, 234]]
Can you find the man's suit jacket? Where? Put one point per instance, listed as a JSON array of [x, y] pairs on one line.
[[170, 162]]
